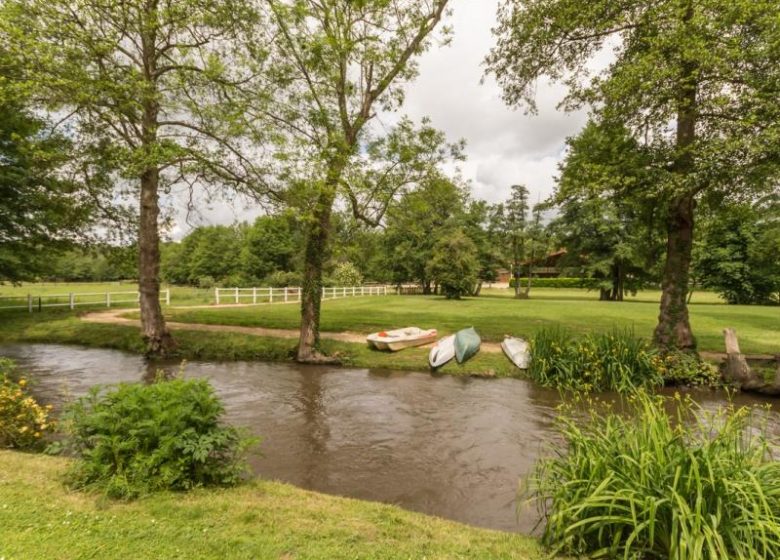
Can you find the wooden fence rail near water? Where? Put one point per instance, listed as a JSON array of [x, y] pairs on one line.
[[75, 299], [232, 296]]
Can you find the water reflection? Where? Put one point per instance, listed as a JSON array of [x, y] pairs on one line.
[[446, 446]]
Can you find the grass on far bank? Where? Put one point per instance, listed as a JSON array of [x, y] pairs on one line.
[[40, 519], [64, 327], [493, 315]]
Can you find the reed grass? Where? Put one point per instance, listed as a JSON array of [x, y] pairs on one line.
[[683, 485], [613, 361]]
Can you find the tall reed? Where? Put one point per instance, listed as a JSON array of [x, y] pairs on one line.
[[686, 486], [616, 361]]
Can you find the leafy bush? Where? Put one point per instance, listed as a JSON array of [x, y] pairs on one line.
[[281, 279], [680, 368], [347, 274], [206, 282], [570, 283], [616, 361], [23, 422], [454, 265], [134, 439], [693, 486]]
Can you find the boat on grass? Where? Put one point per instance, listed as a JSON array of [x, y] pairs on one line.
[[443, 352], [518, 351], [401, 338], [467, 343]]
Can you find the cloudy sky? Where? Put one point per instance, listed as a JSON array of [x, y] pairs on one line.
[[504, 146]]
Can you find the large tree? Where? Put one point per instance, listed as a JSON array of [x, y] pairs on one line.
[[340, 62], [511, 222], [46, 201], [695, 80], [141, 82]]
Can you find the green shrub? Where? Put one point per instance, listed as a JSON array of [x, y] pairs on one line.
[[680, 368], [570, 283], [347, 274], [24, 423], [281, 279], [615, 361], [692, 486], [135, 439]]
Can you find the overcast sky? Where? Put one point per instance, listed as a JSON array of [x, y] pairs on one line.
[[504, 146]]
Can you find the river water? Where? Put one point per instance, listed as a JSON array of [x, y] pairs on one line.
[[451, 447]]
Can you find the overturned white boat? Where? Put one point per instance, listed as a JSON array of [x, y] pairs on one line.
[[401, 338], [518, 351], [443, 352]]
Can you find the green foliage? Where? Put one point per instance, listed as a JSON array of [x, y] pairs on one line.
[[346, 274], [24, 423], [135, 439], [738, 255], [615, 361], [686, 369], [649, 484], [454, 265]]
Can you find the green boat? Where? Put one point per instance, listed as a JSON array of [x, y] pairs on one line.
[[467, 344]]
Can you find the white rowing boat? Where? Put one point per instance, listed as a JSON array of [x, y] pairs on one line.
[[518, 351], [401, 338], [443, 352]]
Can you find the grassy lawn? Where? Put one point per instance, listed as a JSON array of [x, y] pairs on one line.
[[497, 314], [39, 519], [63, 326]]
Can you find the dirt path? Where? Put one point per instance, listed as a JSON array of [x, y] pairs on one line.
[[114, 317]]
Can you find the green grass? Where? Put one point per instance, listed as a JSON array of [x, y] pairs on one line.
[[39, 519], [63, 326], [494, 316]]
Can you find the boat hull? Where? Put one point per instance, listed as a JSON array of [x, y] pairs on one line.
[[467, 343], [518, 351], [443, 352]]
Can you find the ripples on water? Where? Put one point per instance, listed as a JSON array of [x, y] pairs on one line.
[[441, 445]]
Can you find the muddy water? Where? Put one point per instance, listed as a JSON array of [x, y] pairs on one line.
[[445, 446]]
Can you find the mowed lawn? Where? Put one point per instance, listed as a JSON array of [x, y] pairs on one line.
[[495, 314]]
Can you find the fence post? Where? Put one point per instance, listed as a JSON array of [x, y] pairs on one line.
[[385, 290], [271, 294], [286, 295], [168, 296], [72, 300], [29, 303], [254, 295], [108, 299], [216, 294], [236, 294]]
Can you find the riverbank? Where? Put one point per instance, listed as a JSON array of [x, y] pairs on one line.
[[40, 519], [67, 327], [496, 314]]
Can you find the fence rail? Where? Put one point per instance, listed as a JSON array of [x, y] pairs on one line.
[[232, 296], [75, 299]]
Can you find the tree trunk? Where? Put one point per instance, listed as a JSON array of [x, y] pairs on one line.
[[157, 338], [674, 328], [311, 290]]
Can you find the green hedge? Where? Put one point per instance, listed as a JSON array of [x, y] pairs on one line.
[[590, 283]]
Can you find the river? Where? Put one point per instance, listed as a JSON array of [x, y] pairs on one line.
[[437, 444]]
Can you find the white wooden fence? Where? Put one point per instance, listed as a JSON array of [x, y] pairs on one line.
[[233, 296], [72, 300]]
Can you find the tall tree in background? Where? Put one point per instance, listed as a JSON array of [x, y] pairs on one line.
[[608, 219], [711, 68], [46, 201], [511, 220], [341, 62], [139, 81]]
